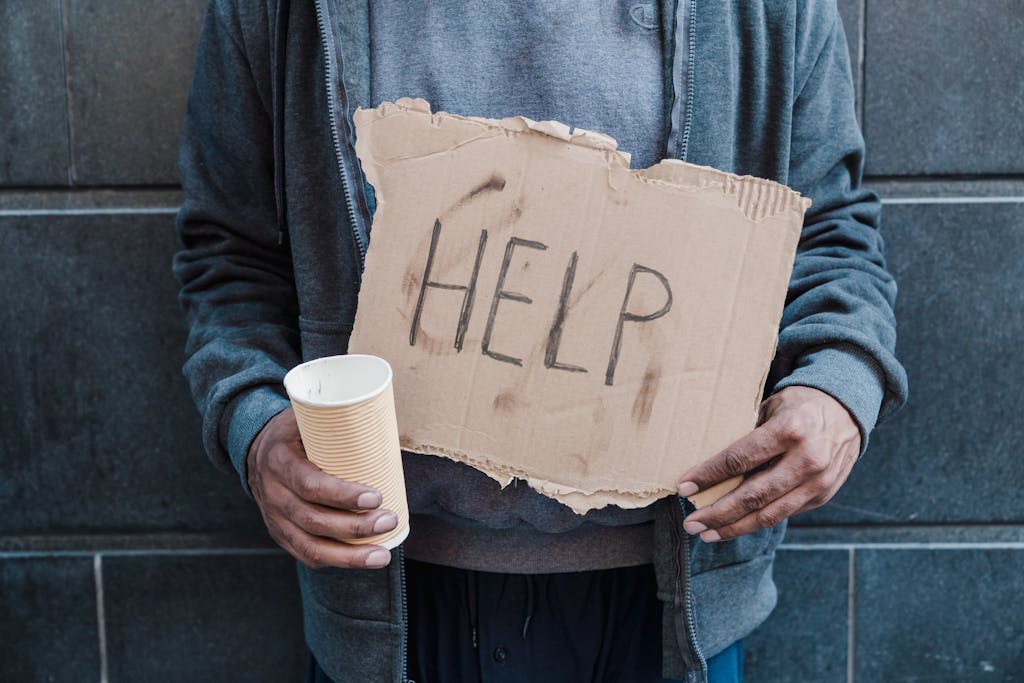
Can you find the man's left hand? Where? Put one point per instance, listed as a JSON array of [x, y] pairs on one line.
[[810, 442]]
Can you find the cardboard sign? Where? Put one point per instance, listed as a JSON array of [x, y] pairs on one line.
[[553, 315]]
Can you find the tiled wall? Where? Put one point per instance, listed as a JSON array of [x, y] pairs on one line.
[[125, 557]]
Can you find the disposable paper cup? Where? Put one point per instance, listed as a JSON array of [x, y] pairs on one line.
[[345, 408]]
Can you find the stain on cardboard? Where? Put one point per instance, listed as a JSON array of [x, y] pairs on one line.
[[506, 402], [410, 283], [493, 184], [644, 401], [515, 213], [581, 462], [578, 293], [433, 346]]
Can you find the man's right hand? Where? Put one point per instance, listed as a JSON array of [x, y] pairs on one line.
[[309, 512]]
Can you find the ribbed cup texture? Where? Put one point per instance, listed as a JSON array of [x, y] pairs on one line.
[[359, 443]]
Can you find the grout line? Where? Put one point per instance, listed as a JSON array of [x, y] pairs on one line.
[[97, 568], [249, 552], [937, 177], [851, 621], [953, 200], [87, 212], [171, 211], [38, 554], [65, 25], [129, 188], [923, 545]]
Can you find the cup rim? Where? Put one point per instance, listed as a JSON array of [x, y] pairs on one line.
[[342, 358]]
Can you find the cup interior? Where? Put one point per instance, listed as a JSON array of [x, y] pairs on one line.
[[338, 380]]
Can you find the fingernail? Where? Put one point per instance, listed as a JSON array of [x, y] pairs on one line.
[[693, 527], [710, 536], [687, 488], [378, 559], [368, 500], [385, 523]]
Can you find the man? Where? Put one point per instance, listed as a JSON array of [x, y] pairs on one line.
[[506, 584]]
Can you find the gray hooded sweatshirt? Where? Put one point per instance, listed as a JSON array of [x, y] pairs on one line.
[[276, 222]]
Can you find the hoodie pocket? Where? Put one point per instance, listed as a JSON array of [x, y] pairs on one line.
[[353, 593], [323, 338], [711, 556]]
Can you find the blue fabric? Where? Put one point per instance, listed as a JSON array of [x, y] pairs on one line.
[[727, 665]]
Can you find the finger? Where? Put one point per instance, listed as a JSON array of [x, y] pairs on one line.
[[810, 465], [754, 449], [312, 484], [755, 493], [317, 552], [824, 474], [782, 508], [320, 520]]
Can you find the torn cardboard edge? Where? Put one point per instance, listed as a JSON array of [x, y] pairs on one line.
[[579, 501], [757, 199]]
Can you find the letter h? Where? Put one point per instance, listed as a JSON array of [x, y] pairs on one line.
[[469, 289]]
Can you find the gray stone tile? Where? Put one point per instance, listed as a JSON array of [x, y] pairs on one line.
[[100, 433], [953, 453], [944, 87], [159, 541], [37, 200], [939, 615], [48, 625], [130, 65], [203, 618], [914, 534], [805, 638], [912, 188], [33, 107]]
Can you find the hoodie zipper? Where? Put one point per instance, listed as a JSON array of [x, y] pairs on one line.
[[691, 620], [684, 539], [691, 37], [405, 616], [334, 94]]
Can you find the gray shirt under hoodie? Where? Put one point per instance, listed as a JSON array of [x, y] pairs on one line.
[[543, 60]]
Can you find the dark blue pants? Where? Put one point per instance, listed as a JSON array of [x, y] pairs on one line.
[[482, 627]]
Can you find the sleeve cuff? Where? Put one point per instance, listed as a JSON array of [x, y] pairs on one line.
[[849, 375], [247, 416]]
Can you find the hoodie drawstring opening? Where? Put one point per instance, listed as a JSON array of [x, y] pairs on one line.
[[530, 579]]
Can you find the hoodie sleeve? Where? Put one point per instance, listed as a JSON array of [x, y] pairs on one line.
[[838, 331], [237, 285]]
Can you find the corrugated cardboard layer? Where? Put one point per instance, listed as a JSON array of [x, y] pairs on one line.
[[553, 315]]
